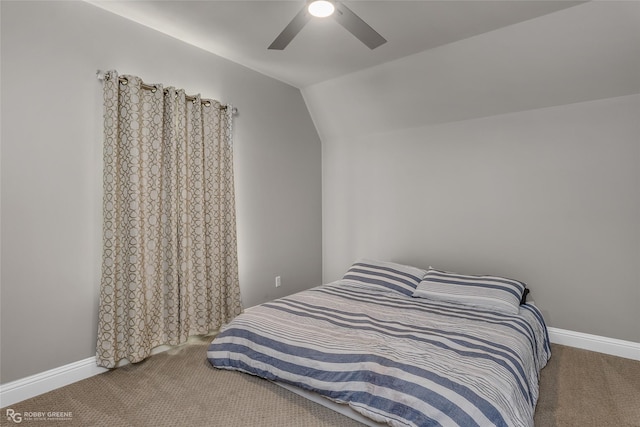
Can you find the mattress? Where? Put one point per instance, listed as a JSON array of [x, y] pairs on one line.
[[393, 358]]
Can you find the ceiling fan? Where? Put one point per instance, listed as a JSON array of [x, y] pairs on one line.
[[324, 8]]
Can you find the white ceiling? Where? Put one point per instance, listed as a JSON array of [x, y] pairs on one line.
[[241, 30]]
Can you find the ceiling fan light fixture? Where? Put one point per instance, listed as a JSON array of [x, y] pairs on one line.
[[321, 8]]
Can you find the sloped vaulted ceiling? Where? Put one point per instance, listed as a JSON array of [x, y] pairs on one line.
[[586, 52], [242, 30]]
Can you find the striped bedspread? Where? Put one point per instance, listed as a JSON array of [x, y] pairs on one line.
[[400, 360]]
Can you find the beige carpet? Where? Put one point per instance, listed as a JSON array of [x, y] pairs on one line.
[[180, 388], [583, 388]]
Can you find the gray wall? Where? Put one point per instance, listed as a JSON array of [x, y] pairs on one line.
[[52, 172], [515, 152]]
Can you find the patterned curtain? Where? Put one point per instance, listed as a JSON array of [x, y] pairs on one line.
[[169, 267]]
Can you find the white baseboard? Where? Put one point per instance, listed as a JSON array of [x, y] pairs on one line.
[[34, 385], [612, 346]]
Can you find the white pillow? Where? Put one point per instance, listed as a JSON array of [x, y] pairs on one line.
[[488, 292], [398, 277]]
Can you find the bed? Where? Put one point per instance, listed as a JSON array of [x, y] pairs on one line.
[[400, 345]]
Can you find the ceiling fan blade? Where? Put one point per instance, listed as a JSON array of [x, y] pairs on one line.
[[357, 26], [291, 30]]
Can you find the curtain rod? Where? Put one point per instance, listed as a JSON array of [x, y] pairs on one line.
[[101, 75]]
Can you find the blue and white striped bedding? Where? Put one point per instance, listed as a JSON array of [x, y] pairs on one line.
[[393, 358]]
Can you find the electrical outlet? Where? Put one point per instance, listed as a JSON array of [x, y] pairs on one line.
[[278, 282]]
